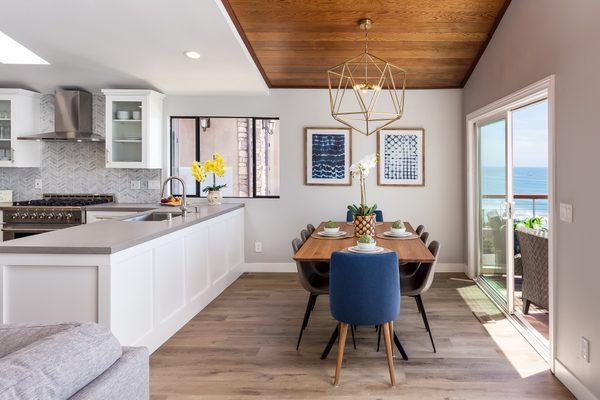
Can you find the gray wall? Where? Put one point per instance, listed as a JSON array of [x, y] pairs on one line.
[[275, 222], [537, 38], [77, 167]]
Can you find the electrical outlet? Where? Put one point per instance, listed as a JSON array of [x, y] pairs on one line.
[[585, 349], [566, 213], [154, 184], [37, 184], [258, 247], [136, 185]]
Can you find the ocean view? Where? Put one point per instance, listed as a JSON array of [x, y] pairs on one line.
[[526, 180]]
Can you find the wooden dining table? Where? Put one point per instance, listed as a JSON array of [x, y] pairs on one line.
[[320, 249]]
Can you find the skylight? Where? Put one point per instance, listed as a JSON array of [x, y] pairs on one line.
[[13, 52]]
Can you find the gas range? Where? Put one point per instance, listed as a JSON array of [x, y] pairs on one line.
[[52, 212]]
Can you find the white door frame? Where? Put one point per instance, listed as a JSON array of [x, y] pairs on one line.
[[543, 89]]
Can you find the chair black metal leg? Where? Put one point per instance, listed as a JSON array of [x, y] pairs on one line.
[[353, 340], [331, 342], [526, 305], [378, 336], [400, 348], [424, 315], [312, 299]]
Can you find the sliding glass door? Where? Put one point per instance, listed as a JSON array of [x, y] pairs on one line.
[[495, 205]]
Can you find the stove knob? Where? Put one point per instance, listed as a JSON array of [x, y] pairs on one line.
[[59, 216], [24, 215], [16, 215], [68, 216], [34, 215], [50, 215]]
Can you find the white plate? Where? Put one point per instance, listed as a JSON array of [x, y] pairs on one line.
[[336, 234], [391, 234], [355, 249]]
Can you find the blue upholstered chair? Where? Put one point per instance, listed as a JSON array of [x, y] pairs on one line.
[[364, 289], [378, 216]]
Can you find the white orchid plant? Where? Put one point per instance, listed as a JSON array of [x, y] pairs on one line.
[[361, 170]]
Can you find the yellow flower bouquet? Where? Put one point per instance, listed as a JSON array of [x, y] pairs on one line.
[[216, 166]]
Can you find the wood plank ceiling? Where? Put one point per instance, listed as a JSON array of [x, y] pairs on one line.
[[294, 42]]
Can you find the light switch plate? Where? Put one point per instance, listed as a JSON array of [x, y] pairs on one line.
[[154, 184], [135, 185], [585, 349], [566, 213]]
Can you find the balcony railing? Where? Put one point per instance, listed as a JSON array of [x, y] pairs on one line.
[[526, 205]]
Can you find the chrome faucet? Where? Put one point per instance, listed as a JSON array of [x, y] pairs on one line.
[[183, 205]]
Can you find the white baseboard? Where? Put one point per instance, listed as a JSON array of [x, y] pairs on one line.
[[291, 267], [572, 383]]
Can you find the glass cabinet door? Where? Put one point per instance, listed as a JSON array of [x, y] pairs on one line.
[[126, 131], [5, 134]]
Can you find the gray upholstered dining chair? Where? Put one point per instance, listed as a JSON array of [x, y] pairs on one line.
[[416, 283], [534, 259], [304, 234], [424, 236], [314, 282], [310, 228], [419, 229]]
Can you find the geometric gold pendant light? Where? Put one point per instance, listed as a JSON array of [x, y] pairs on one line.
[[366, 93]]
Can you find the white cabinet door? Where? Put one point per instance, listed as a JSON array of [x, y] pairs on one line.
[[133, 128], [19, 116]]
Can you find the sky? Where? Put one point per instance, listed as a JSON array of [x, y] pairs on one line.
[[530, 138]]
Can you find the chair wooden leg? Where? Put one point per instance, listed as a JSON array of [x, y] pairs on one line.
[[353, 339], [388, 351], [341, 344], [378, 336], [526, 305]]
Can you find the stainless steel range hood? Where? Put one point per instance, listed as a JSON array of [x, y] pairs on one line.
[[72, 119]]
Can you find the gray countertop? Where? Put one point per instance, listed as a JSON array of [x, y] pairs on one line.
[[111, 236], [129, 207]]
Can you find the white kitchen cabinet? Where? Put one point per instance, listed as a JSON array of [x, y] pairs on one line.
[[134, 127], [19, 116]]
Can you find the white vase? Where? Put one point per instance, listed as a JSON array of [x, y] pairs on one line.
[[214, 197]]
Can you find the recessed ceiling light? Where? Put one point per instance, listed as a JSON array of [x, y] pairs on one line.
[[13, 52], [194, 55]]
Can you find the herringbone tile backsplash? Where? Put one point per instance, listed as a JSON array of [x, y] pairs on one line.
[[77, 167]]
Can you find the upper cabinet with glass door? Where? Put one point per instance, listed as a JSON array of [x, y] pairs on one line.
[[133, 128], [19, 116]]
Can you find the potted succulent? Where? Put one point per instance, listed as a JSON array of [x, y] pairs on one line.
[[398, 227], [364, 216], [366, 243], [331, 228], [216, 166]]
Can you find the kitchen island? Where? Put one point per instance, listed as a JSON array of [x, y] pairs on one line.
[[143, 279]]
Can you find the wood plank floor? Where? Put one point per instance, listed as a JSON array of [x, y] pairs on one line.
[[242, 346]]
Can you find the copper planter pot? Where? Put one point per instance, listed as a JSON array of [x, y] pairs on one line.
[[364, 225]]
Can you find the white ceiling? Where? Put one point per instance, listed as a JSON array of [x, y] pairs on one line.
[[96, 44]]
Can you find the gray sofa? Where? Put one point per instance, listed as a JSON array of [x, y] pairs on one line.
[[69, 361]]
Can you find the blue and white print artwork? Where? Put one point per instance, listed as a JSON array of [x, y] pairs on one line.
[[401, 157], [327, 156]]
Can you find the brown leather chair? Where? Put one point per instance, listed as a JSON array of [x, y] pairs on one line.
[[304, 234], [314, 282], [424, 236], [413, 284], [419, 229]]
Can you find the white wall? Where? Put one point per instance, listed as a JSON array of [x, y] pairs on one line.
[[275, 222], [537, 38]]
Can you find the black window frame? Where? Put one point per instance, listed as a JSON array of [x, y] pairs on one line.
[[251, 147]]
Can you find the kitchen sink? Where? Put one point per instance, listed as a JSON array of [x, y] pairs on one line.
[[153, 216]]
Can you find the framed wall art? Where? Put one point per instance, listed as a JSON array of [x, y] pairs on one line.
[[327, 156], [401, 157]]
